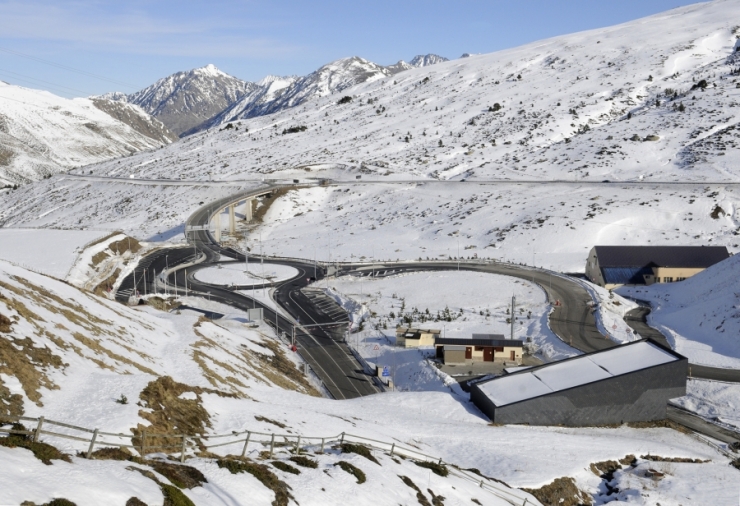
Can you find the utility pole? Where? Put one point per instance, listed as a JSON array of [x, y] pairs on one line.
[[513, 306], [458, 253], [186, 283]]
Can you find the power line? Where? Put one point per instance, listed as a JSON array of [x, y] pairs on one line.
[[26, 78], [65, 67]]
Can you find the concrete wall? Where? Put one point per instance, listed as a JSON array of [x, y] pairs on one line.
[[635, 397]]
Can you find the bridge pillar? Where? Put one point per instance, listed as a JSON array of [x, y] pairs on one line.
[[232, 219], [217, 225], [248, 210]]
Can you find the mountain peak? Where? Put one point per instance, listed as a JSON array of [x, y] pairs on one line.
[[209, 69], [424, 60]]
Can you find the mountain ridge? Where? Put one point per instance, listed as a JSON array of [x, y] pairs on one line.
[[191, 101]]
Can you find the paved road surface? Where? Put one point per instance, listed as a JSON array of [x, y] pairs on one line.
[[572, 320], [322, 347], [637, 319], [700, 425]]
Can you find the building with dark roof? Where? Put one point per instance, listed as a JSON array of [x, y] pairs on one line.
[[628, 383], [613, 266], [480, 348]]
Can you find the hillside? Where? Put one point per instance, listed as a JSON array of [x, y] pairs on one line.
[[433, 124], [136, 118], [700, 315], [43, 134], [80, 359]]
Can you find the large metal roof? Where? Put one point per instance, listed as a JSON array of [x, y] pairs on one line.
[[577, 371], [661, 256]]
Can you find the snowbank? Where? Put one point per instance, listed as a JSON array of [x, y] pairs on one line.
[[701, 315]]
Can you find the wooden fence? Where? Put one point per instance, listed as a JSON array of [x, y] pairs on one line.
[[179, 444]]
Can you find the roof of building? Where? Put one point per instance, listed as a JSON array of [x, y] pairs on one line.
[[497, 340], [404, 330], [577, 371], [661, 256]]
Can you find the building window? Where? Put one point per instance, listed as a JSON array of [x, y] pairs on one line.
[[668, 280]]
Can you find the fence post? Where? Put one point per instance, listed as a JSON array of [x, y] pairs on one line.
[[38, 430], [341, 441], [272, 445], [322, 445], [393, 447], [143, 443], [182, 450], [92, 443], [298, 446], [246, 442]]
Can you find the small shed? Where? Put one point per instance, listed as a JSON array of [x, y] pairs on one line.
[[480, 348], [413, 338]]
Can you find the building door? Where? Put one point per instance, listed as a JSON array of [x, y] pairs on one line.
[[468, 352], [512, 355], [440, 351], [487, 354]]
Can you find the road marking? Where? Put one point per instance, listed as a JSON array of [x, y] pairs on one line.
[[290, 295]]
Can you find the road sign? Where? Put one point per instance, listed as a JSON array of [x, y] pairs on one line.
[[386, 371], [376, 347]]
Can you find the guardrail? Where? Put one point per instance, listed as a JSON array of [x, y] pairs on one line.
[[151, 442]]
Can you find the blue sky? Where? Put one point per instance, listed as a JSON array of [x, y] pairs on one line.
[[127, 45]]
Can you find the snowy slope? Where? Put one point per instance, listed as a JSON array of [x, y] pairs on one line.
[[701, 315], [135, 117], [70, 355], [41, 134], [451, 133], [186, 99]]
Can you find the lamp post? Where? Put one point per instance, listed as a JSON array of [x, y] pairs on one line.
[[458, 253]]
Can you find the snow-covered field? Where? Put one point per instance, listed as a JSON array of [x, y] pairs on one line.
[[233, 274], [52, 252], [701, 315], [474, 303]]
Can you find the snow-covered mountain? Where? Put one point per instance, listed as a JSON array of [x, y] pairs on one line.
[[284, 94], [424, 60], [614, 104], [42, 134], [184, 100], [189, 102]]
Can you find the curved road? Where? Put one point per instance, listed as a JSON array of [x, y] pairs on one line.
[[323, 347]]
